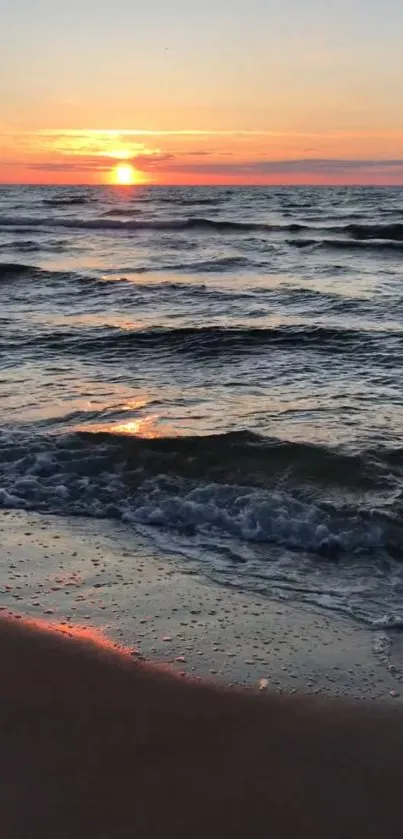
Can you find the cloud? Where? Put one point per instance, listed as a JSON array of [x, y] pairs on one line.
[[144, 162], [309, 166], [152, 160], [179, 132], [67, 166], [95, 134], [198, 153], [155, 159], [202, 166]]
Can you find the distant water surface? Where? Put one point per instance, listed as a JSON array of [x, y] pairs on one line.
[[222, 369]]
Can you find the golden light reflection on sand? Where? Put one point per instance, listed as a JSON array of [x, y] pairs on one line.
[[77, 631]]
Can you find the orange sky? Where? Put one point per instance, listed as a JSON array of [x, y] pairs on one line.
[[235, 91], [189, 156]]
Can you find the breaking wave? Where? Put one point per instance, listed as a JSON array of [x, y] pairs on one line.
[[238, 484]]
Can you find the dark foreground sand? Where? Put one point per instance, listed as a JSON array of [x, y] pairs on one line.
[[93, 744]]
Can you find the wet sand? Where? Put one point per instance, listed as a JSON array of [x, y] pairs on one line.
[[100, 575]]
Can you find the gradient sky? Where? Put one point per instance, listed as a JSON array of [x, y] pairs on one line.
[[219, 91]]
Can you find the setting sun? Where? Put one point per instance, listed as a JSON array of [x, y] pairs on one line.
[[124, 174]]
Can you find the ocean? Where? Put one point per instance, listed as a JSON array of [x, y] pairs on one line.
[[219, 369]]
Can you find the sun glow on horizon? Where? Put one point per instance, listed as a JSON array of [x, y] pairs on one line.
[[127, 159], [124, 174]]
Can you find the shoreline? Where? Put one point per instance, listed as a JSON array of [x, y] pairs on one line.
[[104, 576]]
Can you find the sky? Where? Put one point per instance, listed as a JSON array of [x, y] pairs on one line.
[[214, 91]]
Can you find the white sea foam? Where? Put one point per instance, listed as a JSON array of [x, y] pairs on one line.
[[45, 480]]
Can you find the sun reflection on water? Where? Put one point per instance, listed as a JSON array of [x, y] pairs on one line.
[[141, 427], [150, 427]]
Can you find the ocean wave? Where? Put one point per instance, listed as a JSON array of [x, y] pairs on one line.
[[392, 232], [195, 201], [66, 202], [32, 246], [258, 458], [134, 290], [122, 212], [347, 236], [211, 266], [189, 197], [132, 282], [204, 341], [14, 270], [237, 485], [203, 202], [21, 245], [196, 224], [219, 264], [347, 244]]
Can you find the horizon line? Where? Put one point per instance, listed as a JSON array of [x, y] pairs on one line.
[[150, 185]]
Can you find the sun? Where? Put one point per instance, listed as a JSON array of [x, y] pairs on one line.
[[124, 175]]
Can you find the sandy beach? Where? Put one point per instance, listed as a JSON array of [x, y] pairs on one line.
[[102, 576], [103, 737]]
